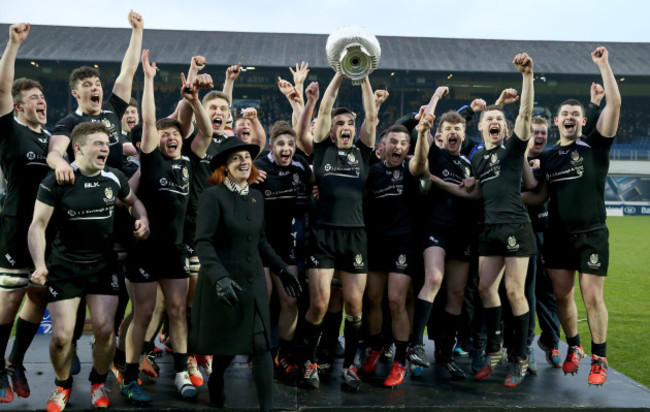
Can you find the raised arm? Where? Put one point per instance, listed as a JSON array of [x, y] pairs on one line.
[[593, 110], [368, 131], [36, 240], [305, 140], [418, 165], [124, 81], [258, 135], [524, 64], [608, 120], [150, 138], [17, 35], [190, 91], [294, 98], [232, 73], [507, 96], [324, 119], [203, 81], [299, 77]]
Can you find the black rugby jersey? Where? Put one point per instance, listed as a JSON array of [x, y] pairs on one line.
[[576, 181], [23, 154], [164, 190], [341, 176], [286, 192], [111, 116], [390, 194], [201, 170], [83, 213], [538, 213], [443, 209], [500, 170]]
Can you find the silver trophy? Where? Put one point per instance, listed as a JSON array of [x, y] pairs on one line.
[[354, 52]]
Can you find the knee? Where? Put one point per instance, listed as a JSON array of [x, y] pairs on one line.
[[375, 299], [176, 310], [456, 296], [432, 282], [515, 294], [396, 303], [319, 306], [353, 306], [61, 338], [104, 332], [289, 303], [484, 290]]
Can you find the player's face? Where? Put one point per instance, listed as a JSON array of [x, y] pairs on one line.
[[171, 142], [219, 113], [130, 118], [243, 128], [396, 148], [453, 136], [239, 166], [343, 130], [32, 109], [493, 127], [89, 95], [437, 139], [94, 152], [380, 148], [569, 121], [540, 137], [283, 149]]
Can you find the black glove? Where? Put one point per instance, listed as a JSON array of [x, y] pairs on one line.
[[290, 282], [227, 291]]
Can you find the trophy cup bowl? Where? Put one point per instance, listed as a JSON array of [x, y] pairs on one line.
[[354, 52]]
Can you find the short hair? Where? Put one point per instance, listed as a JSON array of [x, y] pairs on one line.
[[490, 108], [452, 117], [83, 130], [22, 84], [342, 110], [215, 94], [219, 175], [571, 102], [538, 120], [166, 123], [136, 134], [396, 128], [133, 103], [279, 128], [80, 73]]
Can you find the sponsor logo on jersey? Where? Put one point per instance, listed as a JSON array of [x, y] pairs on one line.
[[163, 181], [512, 243], [358, 261], [445, 173], [31, 155], [328, 167], [594, 261], [88, 185], [72, 213]]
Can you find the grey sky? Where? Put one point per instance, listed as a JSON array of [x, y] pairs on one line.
[[574, 20]]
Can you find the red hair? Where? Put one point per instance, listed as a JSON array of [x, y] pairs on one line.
[[219, 175]]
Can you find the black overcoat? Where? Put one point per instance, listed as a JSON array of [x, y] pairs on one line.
[[230, 241]]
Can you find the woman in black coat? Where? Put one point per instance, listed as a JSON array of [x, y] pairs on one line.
[[230, 313]]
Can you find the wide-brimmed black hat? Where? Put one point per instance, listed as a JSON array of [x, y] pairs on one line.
[[232, 145]]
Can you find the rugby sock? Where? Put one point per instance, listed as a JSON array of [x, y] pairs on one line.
[[351, 333], [147, 347], [493, 328], [65, 384], [96, 377], [285, 346], [130, 373], [420, 319], [520, 324], [574, 341], [311, 333], [374, 342], [180, 362], [448, 336], [5, 331], [400, 351], [25, 332], [599, 349], [331, 327], [119, 359]]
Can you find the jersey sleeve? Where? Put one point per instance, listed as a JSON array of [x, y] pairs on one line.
[[433, 156], [64, 126], [6, 125], [366, 151], [125, 189], [116, 104], [49, 191]]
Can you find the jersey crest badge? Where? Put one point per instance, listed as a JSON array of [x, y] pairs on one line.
[[401, 262], [352, 158], [594, 261], [358, 260], [108, 192], [397, 175], [107, 123], [186, 174], [575, 156], [512, 243], [296, 179], [493, 158]]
